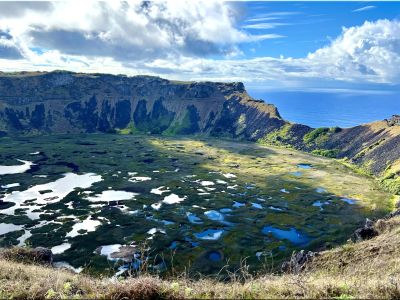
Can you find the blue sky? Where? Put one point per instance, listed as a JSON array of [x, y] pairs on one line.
[[295, 46], [309, 25]]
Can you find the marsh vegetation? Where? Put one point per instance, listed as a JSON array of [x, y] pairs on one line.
[[199, 203]]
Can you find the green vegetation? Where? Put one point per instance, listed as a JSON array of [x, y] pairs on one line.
[[111, 130], [277, 136], [392, 185], [63, 71], [180, 164], [326, 153], [309, 137], [336, 129], [216, 132], [344, 272], [156, 130]]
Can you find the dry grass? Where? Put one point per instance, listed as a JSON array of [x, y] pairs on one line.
[[367, 270]]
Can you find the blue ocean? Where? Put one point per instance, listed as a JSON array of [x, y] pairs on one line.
[[318, 109]]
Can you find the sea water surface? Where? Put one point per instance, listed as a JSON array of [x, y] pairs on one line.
[[343, 108]]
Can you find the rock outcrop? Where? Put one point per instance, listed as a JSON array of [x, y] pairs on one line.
[[65, 102], [298, 262], [43, 255]]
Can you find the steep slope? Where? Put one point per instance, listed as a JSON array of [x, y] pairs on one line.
[[63, 102], [363, 270]]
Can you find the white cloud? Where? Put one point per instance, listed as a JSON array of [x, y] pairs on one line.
[[172, 39], [127, 31], [261, 19], [367, 53], [264, 25], [364, 8], [253, 50]]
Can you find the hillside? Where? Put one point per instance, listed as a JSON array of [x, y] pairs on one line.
[[64, 102], [363, 270]]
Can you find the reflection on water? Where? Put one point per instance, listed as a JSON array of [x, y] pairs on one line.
[[7, 186], [216, 216], [173, 245], [5, 228], [214, 256], [64, 264], [256, 205], [59, 189], [210, 234], [304, 166], [173, 198], [60, 248], [88, 225], [348, 200], [193, 219], [295, 236], [320, 203], [274, 208], [16, 169], [112, 195], [238, 204], [159, 191]]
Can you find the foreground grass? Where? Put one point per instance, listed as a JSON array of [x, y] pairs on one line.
[[366, 270]]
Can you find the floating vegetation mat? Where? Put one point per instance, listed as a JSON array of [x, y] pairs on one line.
[[96, 199]]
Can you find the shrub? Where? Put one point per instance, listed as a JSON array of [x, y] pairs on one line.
[[336, 129], [216, 132], [156, 130], [392, 185], [111, 130], [326, 153], [309, 137]]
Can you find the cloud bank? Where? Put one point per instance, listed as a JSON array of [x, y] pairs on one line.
[[184, 40]]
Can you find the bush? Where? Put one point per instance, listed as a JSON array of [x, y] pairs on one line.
[[216, 132], [392, 185], [156, 130], [327, 153], [336, 129], [309, 137], [111, 130]]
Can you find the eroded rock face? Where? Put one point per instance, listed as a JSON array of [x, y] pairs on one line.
[[63, 102], [200, 91], [43, 254], [60, 102]]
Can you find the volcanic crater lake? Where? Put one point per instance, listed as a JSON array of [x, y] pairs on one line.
[[100, 198]]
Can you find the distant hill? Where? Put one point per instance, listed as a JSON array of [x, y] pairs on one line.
[[65, 102]]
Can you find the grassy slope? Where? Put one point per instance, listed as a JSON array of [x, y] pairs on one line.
[[363, 270]]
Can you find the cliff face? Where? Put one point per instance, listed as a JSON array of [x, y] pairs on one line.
[[61, 102]]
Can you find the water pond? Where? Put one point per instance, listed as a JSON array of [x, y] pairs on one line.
[[105, 198]]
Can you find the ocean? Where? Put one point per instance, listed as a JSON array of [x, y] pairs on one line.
[[327, 109]]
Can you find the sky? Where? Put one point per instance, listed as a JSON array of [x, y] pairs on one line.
[[266, 45]]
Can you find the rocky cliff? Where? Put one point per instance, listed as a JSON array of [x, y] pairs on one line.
[[66, 102], [62, 102]]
